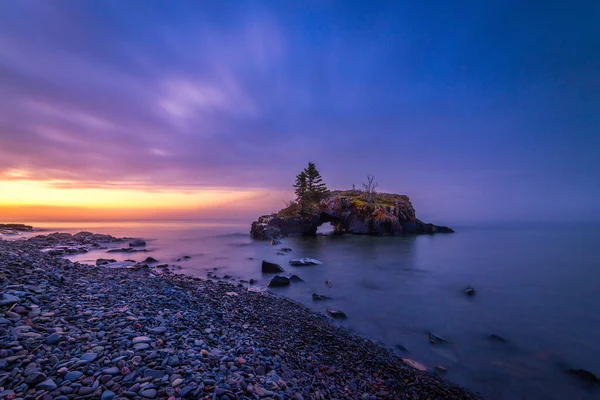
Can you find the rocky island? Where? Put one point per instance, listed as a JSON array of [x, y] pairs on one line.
[[350, 212]]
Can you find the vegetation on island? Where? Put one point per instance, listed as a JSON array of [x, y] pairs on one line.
[[310, 191]]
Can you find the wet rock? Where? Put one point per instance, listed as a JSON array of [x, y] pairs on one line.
[[105, 261], [470, 291], [150, 260], [319, 297], [584, 375], [274, 242], [435, 339], [278, 281], [271, 268], [137, 243], [304, 262], [285, 249], [337, 314], [295, 278], [415, 364]]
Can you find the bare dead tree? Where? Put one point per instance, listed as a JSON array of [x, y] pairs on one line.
[[369, 188]]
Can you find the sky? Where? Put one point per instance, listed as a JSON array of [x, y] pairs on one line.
[[478, 111]]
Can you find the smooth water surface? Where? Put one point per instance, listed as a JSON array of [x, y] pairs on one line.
[[536, 287]]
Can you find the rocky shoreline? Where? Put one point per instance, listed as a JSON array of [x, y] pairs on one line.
[[77, 331]]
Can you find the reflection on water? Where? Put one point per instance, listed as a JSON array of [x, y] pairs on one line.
[[537, 289]]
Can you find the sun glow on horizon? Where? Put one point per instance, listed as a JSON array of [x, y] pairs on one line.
[[46, 194]]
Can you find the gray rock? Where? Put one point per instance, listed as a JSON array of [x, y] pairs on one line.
[[279, 280]]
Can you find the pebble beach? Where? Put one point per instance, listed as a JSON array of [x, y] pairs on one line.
[[78, 331]]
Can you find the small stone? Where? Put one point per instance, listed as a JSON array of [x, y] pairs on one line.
[[141, 339], [107, 395], [53, 339], [48, 385], [177, 382], [111, 371], [73, 376], [148, 393], [154, 374]]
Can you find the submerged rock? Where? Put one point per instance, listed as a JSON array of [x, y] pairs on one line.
[[279, 281], [275, 242], [497, 338], [415, 364], [137, 243], [336, 313], [470, 291], [271, 268], [318, 297], [435, 339], [104, 261]]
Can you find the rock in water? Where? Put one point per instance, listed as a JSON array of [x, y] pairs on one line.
[[415, 364], [275, 242], [497, 338], [271, 268], [137, 243], [318, 297], [279, 281], [584, 375], [435, 339], [336, 313], [149, 260], [104, 261], [304, 262], [285, 249], [296, 278], [470, 291]]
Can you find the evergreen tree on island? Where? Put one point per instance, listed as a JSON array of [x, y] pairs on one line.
[[310, 189]]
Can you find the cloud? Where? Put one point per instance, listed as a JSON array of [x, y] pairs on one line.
[[241, 95]]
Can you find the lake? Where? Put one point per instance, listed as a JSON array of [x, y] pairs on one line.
[[537, 287]]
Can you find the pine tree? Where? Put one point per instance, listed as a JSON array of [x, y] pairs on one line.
[[300, 186], [316, 189], [309, 188]]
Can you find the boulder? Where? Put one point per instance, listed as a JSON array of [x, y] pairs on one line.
[[304, 262], [279, 280], [104, 261], [296, 278], [137, 243], [271, 268], [150, 260]]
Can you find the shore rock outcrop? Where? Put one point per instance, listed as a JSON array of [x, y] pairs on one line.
[[348, 212]]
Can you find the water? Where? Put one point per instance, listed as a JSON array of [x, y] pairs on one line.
[[536, 287]]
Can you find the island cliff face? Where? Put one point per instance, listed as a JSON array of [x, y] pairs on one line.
[[348, 212]]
